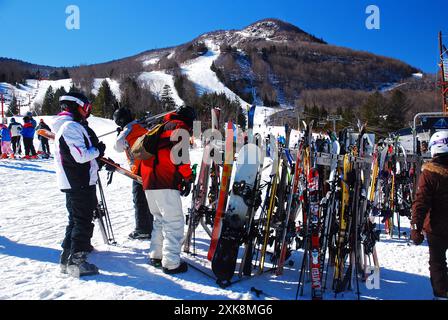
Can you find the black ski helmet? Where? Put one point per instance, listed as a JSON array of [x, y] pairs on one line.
[[72, 101], [122, 116], [187, 113]]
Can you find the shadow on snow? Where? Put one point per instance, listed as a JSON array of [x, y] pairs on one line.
[[131, 270], [26, 167]]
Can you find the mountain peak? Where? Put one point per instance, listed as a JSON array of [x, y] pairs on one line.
[[274, 28], [274, 25]]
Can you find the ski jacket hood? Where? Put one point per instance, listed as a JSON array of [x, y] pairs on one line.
[[126, 139], [430, 208]]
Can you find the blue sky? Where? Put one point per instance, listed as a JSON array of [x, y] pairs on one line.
[[34, 30]]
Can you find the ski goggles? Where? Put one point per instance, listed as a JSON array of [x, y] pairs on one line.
[[86, 107], [437, 142]]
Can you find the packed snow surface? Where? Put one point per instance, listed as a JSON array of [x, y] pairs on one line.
[[32, 224]]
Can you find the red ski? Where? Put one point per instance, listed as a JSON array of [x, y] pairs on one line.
[[313, 192], [223, 191]]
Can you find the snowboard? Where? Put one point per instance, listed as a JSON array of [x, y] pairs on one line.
[[240, 201]]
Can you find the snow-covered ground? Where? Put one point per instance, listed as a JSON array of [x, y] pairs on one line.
[[32, 225], [206, 81], [156, 80]]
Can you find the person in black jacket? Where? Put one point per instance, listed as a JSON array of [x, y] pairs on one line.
[[43, 140], [76, 153]]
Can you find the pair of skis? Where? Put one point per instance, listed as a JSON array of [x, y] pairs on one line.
[[311, 219], [209, 170]]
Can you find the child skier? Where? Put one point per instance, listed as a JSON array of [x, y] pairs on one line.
[[43, 140], [77, 175], [130, 131], [6, 141], [164, 183], [430, 212], [15, 128]]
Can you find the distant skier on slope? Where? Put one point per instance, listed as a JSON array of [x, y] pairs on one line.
[[43, 140], [15, 129], [430, 212], [131, 130], [164, 182], [77, 175]]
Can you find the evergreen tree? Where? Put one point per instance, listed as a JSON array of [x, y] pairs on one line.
[[373, 109], [105, 102], [167, 99], [12, 108], [349, 116], [65, 74], [315, 113], [396, 109], [47, 104], [55, 108], [73, 88], [306, 113], [323, 113]]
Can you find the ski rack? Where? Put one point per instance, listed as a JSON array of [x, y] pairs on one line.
[[197, 264], [325, 159]]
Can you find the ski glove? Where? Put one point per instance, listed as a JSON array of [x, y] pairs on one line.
[[110, 167], [417, 237], [101, 148], [185, 188]]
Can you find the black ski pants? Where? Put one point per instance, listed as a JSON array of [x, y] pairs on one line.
[[15, 141], [437, 264], [29, 147], [45, 145], [143, 217], [80, 206]]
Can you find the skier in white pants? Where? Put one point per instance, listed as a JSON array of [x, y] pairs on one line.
[[164, 183]]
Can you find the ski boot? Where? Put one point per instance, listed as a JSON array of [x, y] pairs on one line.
[[79, 267], [63, 260], [156, 263], [137, 235], [34, 157], [442, 297], [12, 156], [182, 268], [4, 156]]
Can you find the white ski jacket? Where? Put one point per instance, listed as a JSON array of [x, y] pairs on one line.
[[75, 157]]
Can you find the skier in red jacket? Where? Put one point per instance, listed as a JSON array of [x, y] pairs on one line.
[[164, 183]]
